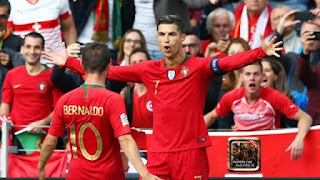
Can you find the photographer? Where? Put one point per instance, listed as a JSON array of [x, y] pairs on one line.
[[289, 62], [308, 74], [284, 23]]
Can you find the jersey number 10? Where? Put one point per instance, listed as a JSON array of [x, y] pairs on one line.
[[83, 150]]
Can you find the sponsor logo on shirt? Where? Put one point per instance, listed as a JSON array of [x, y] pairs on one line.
[[171, 74], [124, 119], [149, 106], [201, 139], [292, 106], [83, 110], [16, 86]]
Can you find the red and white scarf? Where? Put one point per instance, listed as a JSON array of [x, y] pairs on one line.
[[260, 27]]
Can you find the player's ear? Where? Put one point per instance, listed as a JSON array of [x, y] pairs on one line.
[[183, 37]]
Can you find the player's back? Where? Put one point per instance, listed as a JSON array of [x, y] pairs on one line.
[[89, 113]]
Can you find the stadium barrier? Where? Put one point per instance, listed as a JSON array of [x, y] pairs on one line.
[[275, 162]]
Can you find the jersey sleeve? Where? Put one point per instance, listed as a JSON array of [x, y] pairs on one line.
[[236, 61], [57, 127], [116, 73], [210, 67], [64, 12], [74, 65], [126, 73], [223, 108], [283, 104], [118, 117], [7, 90]]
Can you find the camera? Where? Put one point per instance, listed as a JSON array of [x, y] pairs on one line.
[[316, 34]]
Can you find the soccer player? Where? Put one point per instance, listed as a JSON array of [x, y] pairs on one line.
[[178, 84], [96, 120], [28, 93], [259, 108]]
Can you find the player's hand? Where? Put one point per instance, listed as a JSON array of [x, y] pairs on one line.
[[36, 127], [4, 59], [74, 50], [271, 48], [150, 177], [296, 148], [42, 175], [56, 57]]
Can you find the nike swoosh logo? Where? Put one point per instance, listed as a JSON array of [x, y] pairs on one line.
[[16, 86]]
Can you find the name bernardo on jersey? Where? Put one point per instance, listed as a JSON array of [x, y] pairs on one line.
[[82, 110]]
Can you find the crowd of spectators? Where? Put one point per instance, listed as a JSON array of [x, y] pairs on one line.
[[215, 28]]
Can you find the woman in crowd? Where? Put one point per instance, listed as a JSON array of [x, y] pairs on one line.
[[131, 40], [276, 78], [231, 79]]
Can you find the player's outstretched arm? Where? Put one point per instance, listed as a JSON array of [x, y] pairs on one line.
[[304, 124], [56, 57], [130, 149], [210, 118], [46, 151], [242, 59]]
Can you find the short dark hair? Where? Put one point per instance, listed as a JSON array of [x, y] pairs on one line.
[[95, 57], [7, 4], [191, 33], [139, 50], [171, 19], [34, 35], [258, 63]]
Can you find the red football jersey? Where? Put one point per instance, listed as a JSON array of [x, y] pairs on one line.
[[95, 117], [142, 111], [31, 97], [178, 95], [263, 114]]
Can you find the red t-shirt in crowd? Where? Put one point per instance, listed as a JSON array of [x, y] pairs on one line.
[[178, 95], [252, 23], [31, 97], [263, 114], [142, 111], [95, 118]]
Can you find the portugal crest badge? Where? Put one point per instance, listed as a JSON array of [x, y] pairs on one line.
[[184, 71], [42, 86], [171, 74]]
